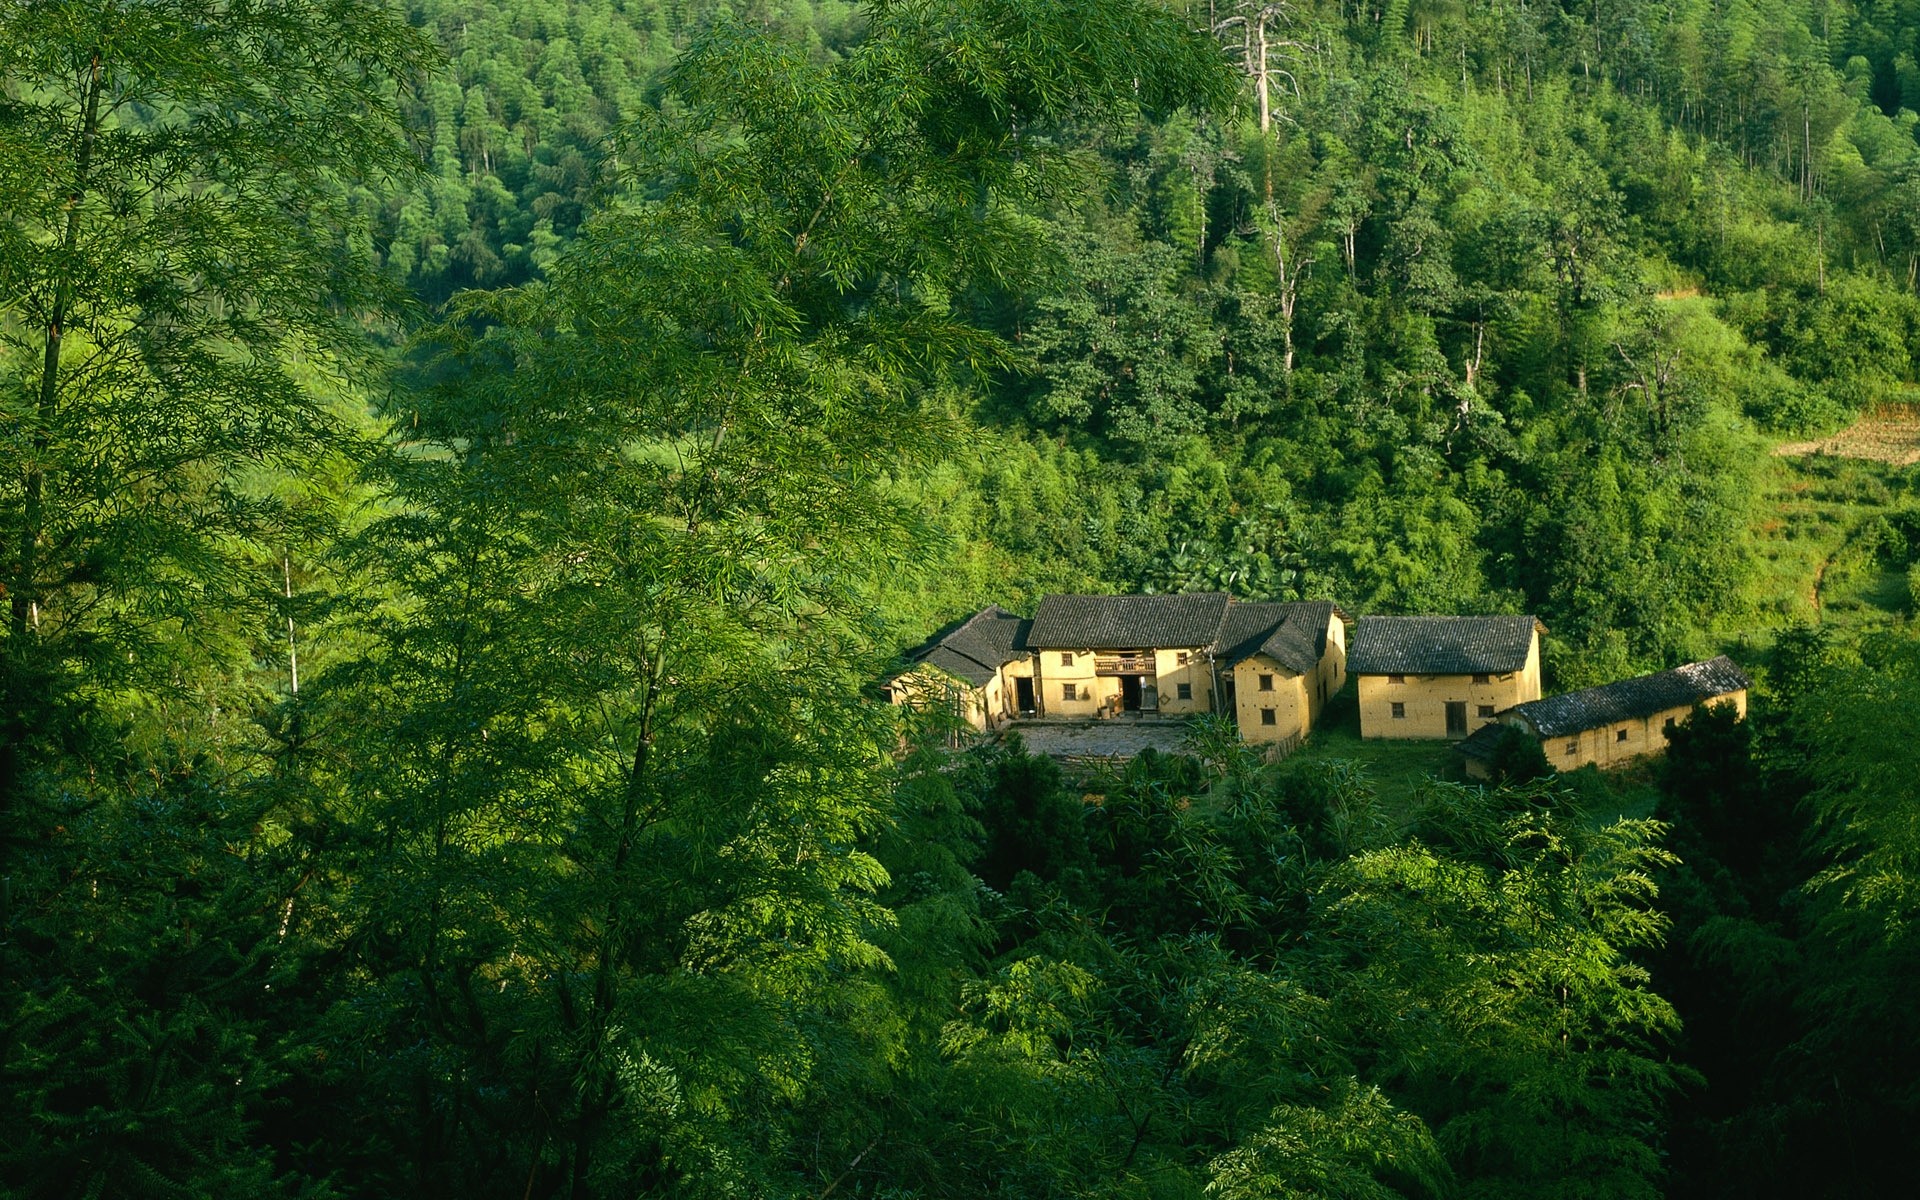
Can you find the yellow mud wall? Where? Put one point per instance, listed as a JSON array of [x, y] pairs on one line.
[[1170, 673], [925, 688], [1330, 674], [1288, 700], [1052, 674]]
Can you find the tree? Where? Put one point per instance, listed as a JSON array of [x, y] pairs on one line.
[[1492, 963], [612, 739], [179, 296], [1518, 758]]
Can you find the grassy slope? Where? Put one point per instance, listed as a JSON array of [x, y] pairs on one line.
[[1814, 566]]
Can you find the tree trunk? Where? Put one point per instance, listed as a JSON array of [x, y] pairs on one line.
[[595, 1106], [24, 594], [23, 588], [1259, 29]]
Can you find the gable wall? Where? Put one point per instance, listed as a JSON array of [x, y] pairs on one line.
[[1293, 716], [1331, 673], [928, 689]]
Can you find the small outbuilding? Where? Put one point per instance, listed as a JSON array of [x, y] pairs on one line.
[[1442, 677], [1615, 723], [1279, 664], [978, 668]]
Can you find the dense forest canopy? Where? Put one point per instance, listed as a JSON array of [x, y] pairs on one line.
[[464, 463]]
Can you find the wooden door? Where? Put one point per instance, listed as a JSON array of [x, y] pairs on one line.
[[1456, 718]]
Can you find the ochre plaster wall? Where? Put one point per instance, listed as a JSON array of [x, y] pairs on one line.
[[1288, 700], [1331, 673], [1170, 673], [926, 688], [1101, 693], [1052, 674]]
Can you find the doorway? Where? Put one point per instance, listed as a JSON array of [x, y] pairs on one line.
[[1456, 718], [1130, 693], [1023, 697]]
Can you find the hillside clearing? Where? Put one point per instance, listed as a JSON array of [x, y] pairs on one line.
[[1891, 435]]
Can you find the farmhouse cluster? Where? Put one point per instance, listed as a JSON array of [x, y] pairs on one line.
[[1271, 668]]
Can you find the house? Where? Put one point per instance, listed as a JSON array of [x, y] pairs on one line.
[[1442, 677], [1280, 664], [1088, 657], [1114, 654], [979, 667], [1615, 723]]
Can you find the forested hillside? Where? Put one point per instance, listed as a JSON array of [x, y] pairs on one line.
[[464, 464], [1494, 311]]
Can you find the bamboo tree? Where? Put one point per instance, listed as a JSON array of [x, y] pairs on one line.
[[172, 277], [615, 744], [179, 299]]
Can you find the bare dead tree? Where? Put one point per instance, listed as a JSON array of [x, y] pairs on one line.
[[1652, 375], [1259, 33]]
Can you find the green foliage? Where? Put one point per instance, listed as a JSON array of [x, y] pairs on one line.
[[582, 863], [611, 737], [1358, 1146], [164, 1009], [1031, 821], [1535, 1047], [1518, 758]]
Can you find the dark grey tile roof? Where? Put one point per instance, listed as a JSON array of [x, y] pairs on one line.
[[1440, 645], [1293, 634], [1631, 699], [1481, 742], [975, 648], [1127, 622]]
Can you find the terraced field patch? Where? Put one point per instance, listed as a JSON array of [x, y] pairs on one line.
[[1890, 435]]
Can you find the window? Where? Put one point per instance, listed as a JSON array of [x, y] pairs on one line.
[[1396, 679], [1069, 691], [1066, 660], [1573, 747], [1485, 710], [1620, 736], [1180, 658], [1482, 679], [1266, 683], [1669, 725], [1399, 711], [1185, 690], [1269, 717]]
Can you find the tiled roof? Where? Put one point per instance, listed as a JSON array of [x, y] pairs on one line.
[[1127, 622], [1294, 634], [1481, 743], [975, 648], [1440, 645], [1631, 699]]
